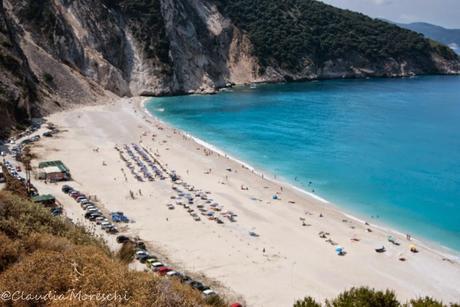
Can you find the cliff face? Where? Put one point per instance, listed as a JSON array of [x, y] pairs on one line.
[[17, 83], [60, 52]]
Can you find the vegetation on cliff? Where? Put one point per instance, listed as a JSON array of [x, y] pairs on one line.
[[292, 33]]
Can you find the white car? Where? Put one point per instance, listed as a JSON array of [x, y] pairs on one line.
[[105, 225], [141, 253], [94, 210], [157, 265], [100, 220], [209, 292], [172, 273]]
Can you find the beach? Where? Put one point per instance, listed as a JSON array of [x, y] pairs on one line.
[[292, 252]]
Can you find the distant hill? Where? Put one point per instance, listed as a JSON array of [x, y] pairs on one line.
[[450, 37]]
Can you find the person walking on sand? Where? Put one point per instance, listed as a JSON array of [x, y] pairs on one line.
[[263, 250]]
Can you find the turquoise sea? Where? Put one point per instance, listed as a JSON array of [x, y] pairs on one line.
[[384, 150]]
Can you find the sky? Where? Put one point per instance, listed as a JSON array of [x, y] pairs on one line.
[[444, 13]]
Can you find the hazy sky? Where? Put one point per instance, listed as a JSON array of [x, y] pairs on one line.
[[445, 13]]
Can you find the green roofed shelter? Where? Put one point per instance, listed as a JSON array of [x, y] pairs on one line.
[[53, 171], [56, 163]]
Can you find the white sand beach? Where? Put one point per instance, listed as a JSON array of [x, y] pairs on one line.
[[286, 261]]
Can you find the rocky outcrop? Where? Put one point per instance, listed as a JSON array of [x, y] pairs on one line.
[[56, 53], [17, 83]]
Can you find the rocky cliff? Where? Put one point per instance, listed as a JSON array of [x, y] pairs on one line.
[[59, 52]]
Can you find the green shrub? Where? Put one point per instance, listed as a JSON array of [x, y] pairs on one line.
[[48, 78], [127, 251], [426, 302], [307, 302], [364, 297]]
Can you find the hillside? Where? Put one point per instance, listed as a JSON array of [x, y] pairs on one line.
[[42, 254], [311, 35], [449, 37], [55, 54]]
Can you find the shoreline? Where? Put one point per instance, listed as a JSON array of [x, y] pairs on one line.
[[286, 261], [433, 246]]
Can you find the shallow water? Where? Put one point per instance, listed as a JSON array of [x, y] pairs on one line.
[[386, 150]]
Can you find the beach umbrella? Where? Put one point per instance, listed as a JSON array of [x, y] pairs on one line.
[[339, 249]]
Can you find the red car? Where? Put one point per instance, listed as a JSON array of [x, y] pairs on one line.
[[163, 270]]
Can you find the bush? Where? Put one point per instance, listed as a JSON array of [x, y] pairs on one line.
[[9, 251], [127, 251], [425, 302], [364, 297], [307, 302], [48, 78]]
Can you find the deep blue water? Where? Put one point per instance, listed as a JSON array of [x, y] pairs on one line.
[[386, 150]]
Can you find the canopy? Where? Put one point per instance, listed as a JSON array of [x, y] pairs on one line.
[[43, 198]]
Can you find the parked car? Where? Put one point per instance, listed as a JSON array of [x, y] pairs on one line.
[[198, 285], [163, 270], [86, 205], [119, 217], [105, 225], [209, 292], [156, 266], [82, 200], [56, 211], [66, 189], [172, 273], [144, 258], [100, 219], [122, 239], [93, 216], [141, 253], [112, 230]]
